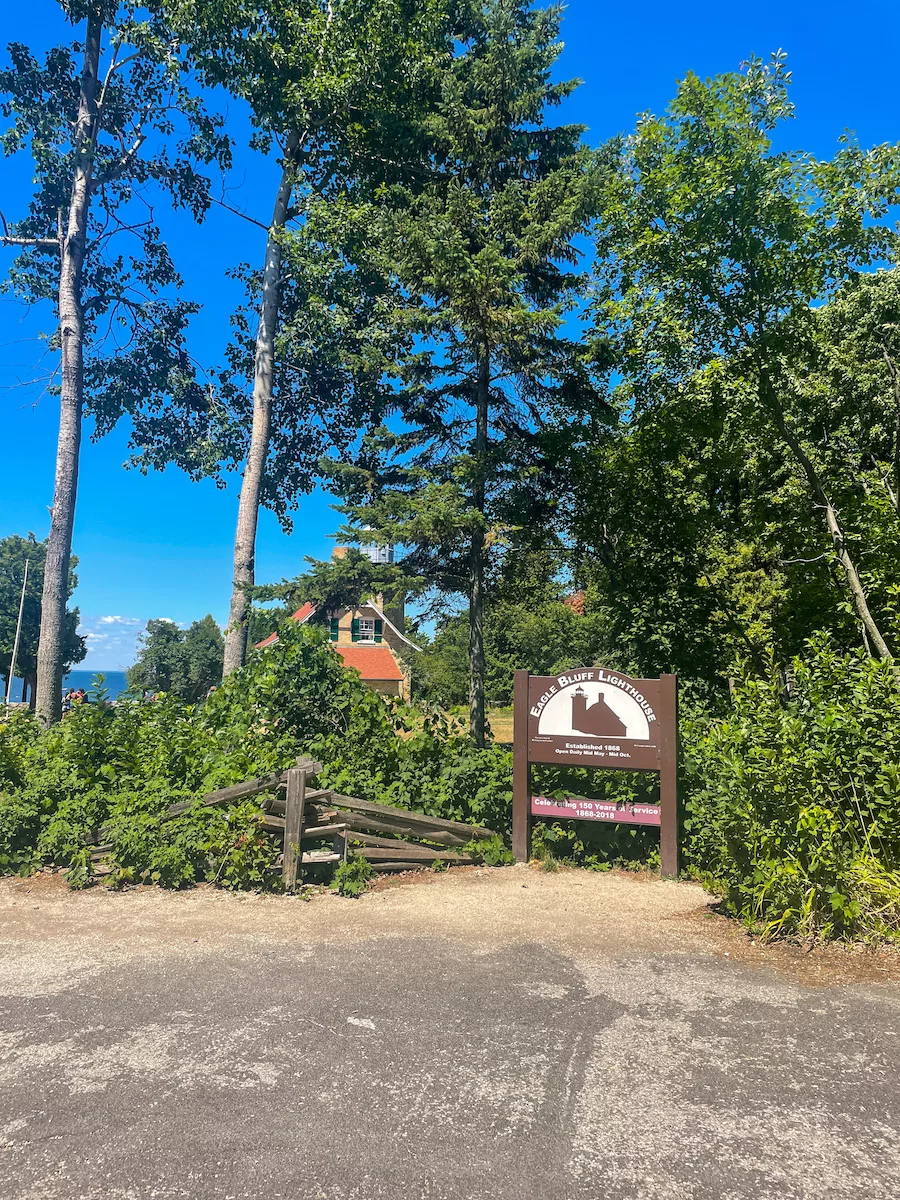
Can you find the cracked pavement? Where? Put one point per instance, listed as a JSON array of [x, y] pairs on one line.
[[505, 1033]]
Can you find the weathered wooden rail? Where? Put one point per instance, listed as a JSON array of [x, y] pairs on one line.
[[391, 839]]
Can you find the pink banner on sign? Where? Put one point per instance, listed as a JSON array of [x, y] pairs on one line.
[[573, 808]]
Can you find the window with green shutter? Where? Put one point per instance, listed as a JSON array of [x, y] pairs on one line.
[[335, 629], [379, 629], [354, 629]]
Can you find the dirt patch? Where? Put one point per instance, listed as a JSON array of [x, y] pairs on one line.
[[592, 915], [811, 965]]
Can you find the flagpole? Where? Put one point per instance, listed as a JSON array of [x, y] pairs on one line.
[[15, 653]]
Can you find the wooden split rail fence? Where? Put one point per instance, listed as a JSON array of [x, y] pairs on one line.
[[320, 826]]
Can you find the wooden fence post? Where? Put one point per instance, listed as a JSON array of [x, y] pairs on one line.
[[670, 810], [295, 801]]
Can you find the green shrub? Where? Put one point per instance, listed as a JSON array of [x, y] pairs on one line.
[[121, 766], [794, 800], [20, 824], [492, 851], [352, 876]]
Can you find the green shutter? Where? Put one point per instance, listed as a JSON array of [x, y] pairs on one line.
[[379, 627], [335, 629], [355, 629]]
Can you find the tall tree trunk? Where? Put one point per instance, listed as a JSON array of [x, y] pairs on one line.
[[838, 541], [476, 569], [263, 386], [71, 331]]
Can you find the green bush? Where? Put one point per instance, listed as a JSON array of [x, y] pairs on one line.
[[794, 800], [121, 766], [352, 877]]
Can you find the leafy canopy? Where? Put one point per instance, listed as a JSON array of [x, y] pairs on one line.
[[14, 551], [185, 662], [152, 139]]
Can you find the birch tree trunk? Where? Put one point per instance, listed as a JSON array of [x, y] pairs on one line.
[[72, 248], [476, 577], [244, 571]]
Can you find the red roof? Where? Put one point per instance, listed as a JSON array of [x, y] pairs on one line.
[[576, 602], [301, 615], [372, 662]]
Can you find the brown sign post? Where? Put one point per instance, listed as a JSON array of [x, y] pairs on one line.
[[596, 717]]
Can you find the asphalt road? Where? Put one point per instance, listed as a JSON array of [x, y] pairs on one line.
[[489, 1035]]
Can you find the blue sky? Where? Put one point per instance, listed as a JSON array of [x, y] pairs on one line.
[[159, 546]]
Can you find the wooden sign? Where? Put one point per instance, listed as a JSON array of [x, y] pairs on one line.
[[596, 717]]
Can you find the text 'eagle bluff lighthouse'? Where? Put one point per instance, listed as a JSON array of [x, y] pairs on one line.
[[594, 703]]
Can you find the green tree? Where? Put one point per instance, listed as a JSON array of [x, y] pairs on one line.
[[535, 618], [345, 580], [714, 252], [204, 648], [98, 119], [14, 552], [331, 83], [484, 253], [185, 662]]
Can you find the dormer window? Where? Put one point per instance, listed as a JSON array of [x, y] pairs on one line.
[[367, 630]]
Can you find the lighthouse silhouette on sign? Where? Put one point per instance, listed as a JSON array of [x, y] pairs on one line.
[[598, 719]]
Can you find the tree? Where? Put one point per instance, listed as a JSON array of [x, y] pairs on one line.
[[714, 251], [101, 131], [186, 662], [14, 551], [533, 619], [330, 82], [484, 254], [343, 581]]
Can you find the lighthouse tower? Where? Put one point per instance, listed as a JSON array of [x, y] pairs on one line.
[[579, 708], [394, 608]]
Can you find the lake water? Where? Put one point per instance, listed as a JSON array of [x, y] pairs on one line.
[[115, 683]]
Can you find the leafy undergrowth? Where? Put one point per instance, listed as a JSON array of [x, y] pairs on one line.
[[794, 801], [122, 766]]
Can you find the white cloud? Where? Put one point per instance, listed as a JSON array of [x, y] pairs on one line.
[[111, 641]]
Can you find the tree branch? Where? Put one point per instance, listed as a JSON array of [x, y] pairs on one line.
[[237, 212], [123, 164], [38, 243], [8, 239]]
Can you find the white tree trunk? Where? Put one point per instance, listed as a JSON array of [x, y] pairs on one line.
[[73, 243], [263, 386]]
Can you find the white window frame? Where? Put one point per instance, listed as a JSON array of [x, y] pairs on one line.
[[367, 629]]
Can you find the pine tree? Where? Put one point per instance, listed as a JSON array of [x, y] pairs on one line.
[[486, 256]]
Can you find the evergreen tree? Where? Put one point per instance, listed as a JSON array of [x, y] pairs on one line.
[[484, 252]]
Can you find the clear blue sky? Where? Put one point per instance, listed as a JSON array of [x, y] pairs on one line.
[[161, 546]]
